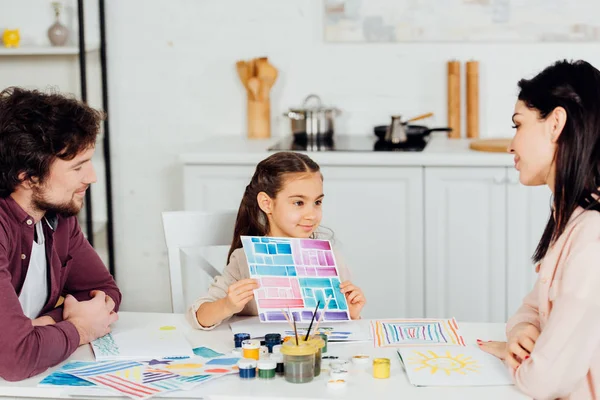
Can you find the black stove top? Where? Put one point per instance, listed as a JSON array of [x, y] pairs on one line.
[[346, 143]]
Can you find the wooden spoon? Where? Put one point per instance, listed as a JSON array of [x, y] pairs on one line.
[[254, 87], [267, 74], [243, 72]]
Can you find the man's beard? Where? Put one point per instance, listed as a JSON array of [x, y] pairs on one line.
[[65, 210]]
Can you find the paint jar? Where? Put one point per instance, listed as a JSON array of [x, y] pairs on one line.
[[319, 344], [272, 339], [266, 369], [360, 359], [247, 367], [238, 338], [338, 373], [325, 338], [299, 361], [381, 368], [263, 352], [251, 349], [278, 359]]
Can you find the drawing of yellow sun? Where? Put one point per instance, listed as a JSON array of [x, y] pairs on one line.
[[444, 362]]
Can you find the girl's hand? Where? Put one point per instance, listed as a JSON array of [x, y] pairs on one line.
[[354, 297], [497, 349], [239, 294]]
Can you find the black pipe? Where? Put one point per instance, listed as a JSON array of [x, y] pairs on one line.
[[107, 167], [83, 82]]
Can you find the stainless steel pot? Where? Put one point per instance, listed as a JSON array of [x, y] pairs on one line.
[[314, 120]]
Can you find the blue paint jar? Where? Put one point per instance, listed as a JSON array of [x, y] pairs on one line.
[[238, 338], [247, 367], [272, 339]]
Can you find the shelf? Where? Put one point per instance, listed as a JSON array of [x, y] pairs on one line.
[[43, 51]]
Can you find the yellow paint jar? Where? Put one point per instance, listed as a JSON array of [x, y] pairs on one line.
[[251, 349], [381, 368]]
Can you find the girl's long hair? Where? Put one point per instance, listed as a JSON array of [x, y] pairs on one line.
[[269, 177]]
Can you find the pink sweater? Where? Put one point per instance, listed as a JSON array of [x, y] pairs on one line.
[[565, 305]]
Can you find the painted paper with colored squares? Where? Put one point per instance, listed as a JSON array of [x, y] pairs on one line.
[[414, 332], [295, 274]]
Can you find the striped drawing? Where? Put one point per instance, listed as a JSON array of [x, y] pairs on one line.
[[412, 332]]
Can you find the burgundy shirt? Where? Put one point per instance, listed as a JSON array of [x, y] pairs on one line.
[[74, 268]]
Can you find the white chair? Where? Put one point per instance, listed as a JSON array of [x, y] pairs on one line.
[[190, 236]]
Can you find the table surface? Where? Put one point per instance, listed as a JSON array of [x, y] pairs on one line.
[[361, 384]]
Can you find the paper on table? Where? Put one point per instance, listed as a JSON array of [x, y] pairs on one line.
[[453, 366], [143, 343]]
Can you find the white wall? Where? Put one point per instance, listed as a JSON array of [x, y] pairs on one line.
[[172, 83]]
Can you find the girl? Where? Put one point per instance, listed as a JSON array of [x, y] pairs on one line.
[[553, 342], [283, 199]]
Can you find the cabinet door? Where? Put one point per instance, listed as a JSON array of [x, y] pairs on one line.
[[215, 187], [376, 215], [465, 243], [528, 212]]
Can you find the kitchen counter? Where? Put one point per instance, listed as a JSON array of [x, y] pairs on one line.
[[440, 151]]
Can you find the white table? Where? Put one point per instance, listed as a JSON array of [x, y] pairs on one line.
[[361, 385]]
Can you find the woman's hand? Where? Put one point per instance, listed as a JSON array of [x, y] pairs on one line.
[[354, 297]]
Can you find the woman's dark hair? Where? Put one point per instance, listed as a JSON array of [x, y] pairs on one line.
[[574, 86], [269, 177], [36, 128]]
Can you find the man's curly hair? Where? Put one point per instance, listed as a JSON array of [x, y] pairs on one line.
[[36, 128]]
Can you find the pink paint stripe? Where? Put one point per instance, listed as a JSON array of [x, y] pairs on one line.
[[275, 282], [326, 271], [116, 387], [296, 289], [133, 384], [280, 303], [122, 388]]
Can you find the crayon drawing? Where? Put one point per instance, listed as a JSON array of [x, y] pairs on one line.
[[412, 332]]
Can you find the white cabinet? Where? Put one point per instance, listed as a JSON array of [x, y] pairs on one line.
[[375, 213], [465, 242], [481, 228]]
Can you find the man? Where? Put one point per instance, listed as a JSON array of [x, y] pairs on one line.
[[46, 146]]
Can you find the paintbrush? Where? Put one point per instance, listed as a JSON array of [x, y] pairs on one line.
[[287, 318], [295, 330], [322, 314], [312, 320]]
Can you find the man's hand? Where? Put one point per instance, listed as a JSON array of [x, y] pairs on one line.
[[92, 318]]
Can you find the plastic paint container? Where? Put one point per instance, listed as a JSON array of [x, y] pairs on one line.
[[381, 368], [360, 359], [238, 338], [266, 369], [272, 339], [299, 361], [336, 384], [264, 352], [319, 344], [247, 367], [325, 338], [278, 359], [277, 349], [251, 349], [338, 373]]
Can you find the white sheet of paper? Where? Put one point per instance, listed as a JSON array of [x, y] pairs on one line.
[[142, 344], [352, 331], [453, 366]]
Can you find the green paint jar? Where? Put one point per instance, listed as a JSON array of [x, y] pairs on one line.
[[266, 369]]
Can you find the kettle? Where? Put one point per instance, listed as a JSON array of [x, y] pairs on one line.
[[396, 133]]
